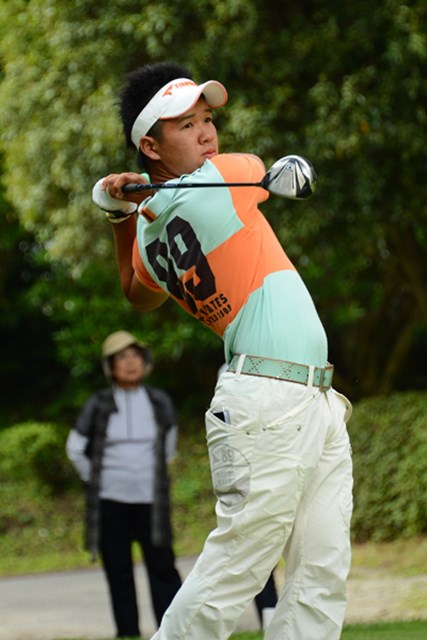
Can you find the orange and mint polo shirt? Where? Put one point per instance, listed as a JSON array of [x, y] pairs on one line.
[[213, 251]]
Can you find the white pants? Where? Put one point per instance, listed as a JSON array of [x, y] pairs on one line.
[[282, 474]]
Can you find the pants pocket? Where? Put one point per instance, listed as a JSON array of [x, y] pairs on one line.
[[229, 449]]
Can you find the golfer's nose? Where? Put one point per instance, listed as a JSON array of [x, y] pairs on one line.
[[206, 134]]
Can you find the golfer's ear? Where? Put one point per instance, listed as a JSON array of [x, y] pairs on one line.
[[148, 146]]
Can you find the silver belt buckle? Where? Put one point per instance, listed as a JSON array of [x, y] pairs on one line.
[[322, 386]]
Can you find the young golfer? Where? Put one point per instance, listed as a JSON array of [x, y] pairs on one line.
[[276, 429]]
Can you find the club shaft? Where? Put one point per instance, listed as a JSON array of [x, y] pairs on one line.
[[132, 187]]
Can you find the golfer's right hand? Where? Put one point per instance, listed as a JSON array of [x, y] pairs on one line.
[[116, 210], [108, 195]]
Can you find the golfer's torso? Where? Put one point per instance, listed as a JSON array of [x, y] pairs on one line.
[[214, 252]]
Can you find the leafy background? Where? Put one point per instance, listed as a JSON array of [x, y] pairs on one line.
[[342, 83]]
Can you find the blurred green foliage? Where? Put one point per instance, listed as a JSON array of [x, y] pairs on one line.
[[389, 440], [34, 451], [343, 84]]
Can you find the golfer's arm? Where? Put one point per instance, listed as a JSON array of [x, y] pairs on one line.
[[140, 297]]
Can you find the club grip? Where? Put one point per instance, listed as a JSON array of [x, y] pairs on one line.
[[136, 186]]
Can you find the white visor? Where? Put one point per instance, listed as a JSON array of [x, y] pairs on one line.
[[174, 99]]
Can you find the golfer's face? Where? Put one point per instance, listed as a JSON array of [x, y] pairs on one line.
[[188, 141]]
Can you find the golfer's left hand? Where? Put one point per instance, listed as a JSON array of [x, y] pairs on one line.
[[115, 182]]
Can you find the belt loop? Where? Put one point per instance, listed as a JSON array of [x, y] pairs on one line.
[[240, 363], [310, 376]]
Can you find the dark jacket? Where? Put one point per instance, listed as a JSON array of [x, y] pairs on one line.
[[92, 423]]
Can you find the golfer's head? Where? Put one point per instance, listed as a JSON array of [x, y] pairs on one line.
[[160, 93]]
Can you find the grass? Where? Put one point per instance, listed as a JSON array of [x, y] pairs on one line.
[[400, 557], [388, 631], [46, 535]]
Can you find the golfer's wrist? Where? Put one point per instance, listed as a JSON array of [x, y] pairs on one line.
[[118, 208], [118, 216]]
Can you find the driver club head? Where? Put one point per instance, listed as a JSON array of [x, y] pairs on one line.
[[291, 177]]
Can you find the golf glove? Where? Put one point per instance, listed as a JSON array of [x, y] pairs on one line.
[[115, 210]]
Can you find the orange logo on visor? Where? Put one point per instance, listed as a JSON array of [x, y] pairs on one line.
[[177, 85]]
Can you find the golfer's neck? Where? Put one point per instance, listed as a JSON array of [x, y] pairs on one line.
[[159, 173]]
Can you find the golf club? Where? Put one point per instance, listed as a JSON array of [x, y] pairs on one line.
[[291, 177]]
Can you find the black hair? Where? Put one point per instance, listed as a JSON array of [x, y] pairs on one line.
[[141, 85]]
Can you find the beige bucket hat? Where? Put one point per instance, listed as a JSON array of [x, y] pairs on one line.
[[119, 340]]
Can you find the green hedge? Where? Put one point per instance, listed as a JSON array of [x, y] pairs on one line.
[[389, 441], [34, 451]]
